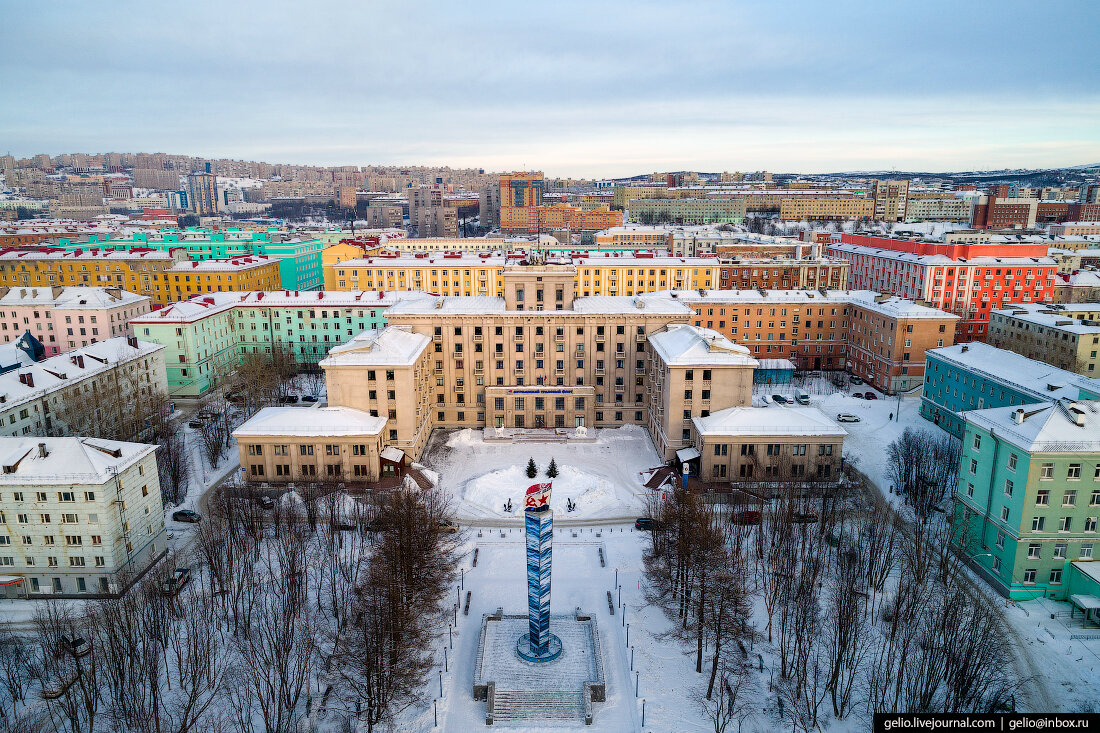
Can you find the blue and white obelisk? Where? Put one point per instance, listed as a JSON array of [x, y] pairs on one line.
[[538, 645]]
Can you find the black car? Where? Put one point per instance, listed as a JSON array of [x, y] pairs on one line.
[[646, 523], [291, 399], [196, 424], [308, 398], [779, 399], [266, 502], [186, 515]]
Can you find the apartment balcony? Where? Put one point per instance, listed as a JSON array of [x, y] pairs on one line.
[[639, 337], [599, 372], [600, 338], [479, 337]]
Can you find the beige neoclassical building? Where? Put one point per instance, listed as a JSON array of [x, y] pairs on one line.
[[536, 358]]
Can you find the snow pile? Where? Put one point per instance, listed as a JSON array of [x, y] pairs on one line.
[[492, 490], [292, 502]]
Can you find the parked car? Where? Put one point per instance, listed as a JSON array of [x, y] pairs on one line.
[[809, 518], [186, 515], [855, 380], [779, 399], [446, 526], [205, 414], [308, 398], [870, 396], [175, 583], [748, 516], [802, 398], [266, 502], [845, 417], [290, 399], [646, 523], [234, 398], [857, 395], [196, 424]]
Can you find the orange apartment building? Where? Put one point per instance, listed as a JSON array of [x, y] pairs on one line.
[[185, 280], [878, 337]]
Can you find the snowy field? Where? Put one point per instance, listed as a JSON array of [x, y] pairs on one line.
[[604, 478]]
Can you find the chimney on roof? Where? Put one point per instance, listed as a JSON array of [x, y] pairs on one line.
[[132, 341], [42, 452], [965, 348], [26, 378], [1018, 416]]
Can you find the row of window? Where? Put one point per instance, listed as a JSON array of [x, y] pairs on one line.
[[331, 449]]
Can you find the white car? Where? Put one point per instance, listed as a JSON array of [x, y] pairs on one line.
[[846, 417]]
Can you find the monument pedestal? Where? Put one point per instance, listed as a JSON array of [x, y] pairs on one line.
[[531, 652]]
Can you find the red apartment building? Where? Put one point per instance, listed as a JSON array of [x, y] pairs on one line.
[[968, 280]]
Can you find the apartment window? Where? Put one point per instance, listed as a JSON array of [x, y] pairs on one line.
[[1042, 497], [1069, 498], [1008, 487], [1056, 576], [1034, 551], [1065, 524], [977, 442], [1011, 461], [1046, 472], [996, 564], [1060, 551], [1038, 524], [1004, 514], [1001, 540], [1095, 500], [1029, 576], [1090, 524], [1073, 473], [970, 490], [1086, 551], [973, 466]]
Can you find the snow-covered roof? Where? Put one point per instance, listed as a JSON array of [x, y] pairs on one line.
[[74, 297], [686, 345], [891, 254], [649, 303], [1047, 428], [776, 421], [208, 304], [1043, 381], [86, 254], [1042, 314], [473, 304], [67, 460], [390, 346], [233, 264], [310, 421], [1084, 279], [65, 369]]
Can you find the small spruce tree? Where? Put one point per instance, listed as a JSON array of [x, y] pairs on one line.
[[532, 469], [552, 469]]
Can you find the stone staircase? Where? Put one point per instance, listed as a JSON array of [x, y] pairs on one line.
[[524, 705]]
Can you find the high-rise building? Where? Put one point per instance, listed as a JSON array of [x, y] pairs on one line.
[[518, 192], [203, 189], [890, 198]]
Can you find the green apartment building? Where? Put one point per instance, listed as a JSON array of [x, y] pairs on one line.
[[1029, 497], [206, 337], [299, 257]]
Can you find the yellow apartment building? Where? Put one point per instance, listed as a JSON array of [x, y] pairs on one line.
[[185, 280], [136, 271]]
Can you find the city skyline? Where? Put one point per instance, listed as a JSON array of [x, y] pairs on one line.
[[575, 91]]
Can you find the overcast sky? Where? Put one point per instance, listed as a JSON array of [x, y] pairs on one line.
[[583, 89]]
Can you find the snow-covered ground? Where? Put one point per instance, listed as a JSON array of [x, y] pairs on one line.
[[604, 477], [666, 675]]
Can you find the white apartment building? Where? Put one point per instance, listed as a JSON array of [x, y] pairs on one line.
[[111, 377], [77, 516]]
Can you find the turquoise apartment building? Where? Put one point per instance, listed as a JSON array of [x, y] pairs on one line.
[[299, 257], [206, 337], [1028, 499], [976, 376]]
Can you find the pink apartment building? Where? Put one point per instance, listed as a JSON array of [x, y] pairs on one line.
[[65, 318]]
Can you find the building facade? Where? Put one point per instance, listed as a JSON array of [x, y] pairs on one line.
[[1067, 337], [206, 337], [977, 376], [82, 516], [64, 318], [1028, 497], [968, 280]]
